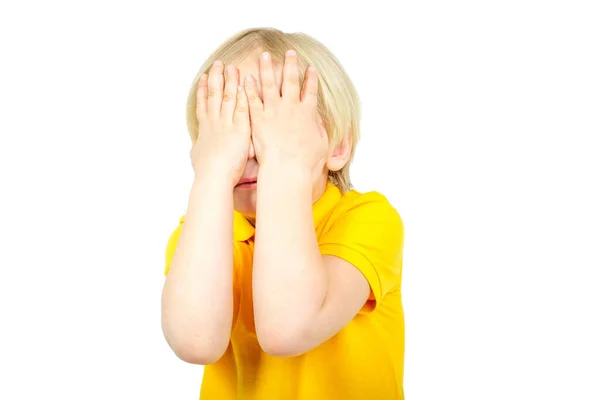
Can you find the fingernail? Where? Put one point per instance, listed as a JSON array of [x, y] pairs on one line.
[[217, 63], [203, 77], [240, 88], [265, 55], [230, 69], [290, 53], [248, 78], [312, 69]]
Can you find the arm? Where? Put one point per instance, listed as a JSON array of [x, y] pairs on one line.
[[197, 298], [301, 298]]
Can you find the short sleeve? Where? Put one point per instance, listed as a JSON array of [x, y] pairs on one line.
[[172, 245], [369, 233]]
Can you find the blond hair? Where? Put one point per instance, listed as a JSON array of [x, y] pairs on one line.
[[338, 103]]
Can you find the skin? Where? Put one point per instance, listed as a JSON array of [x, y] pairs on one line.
[[272, 133], [197, 298], [244, 199]]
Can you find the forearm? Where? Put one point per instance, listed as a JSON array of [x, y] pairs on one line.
[[289, 281], [197, 301]]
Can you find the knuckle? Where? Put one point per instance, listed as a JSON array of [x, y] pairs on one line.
[[268, 85], [212, 92]]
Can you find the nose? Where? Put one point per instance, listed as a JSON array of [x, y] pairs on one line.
[[251, 152]]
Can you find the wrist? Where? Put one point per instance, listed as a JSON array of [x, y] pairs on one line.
[[216, 168], [284, 171], [214, 180]]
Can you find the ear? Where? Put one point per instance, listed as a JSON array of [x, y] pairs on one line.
[[340, 154]]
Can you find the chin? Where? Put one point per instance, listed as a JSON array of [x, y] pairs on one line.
[[244, 202]]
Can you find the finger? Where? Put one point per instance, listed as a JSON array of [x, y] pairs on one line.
[[310, 88], [270, 93], [322, 130], [201, 92], [230, 93], [215, 90], [241, 115], [254, 103], [291, 85]]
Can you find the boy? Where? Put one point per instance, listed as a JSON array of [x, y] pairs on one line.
[[280, 279]]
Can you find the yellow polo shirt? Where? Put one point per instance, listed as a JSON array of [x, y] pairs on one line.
[[365, 360]]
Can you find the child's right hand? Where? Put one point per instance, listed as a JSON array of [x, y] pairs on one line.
[[223, 125]]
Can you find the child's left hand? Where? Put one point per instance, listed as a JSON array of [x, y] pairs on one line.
[[287, 130]]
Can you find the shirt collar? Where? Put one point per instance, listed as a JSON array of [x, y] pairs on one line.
[[244, 230], [323, 206]]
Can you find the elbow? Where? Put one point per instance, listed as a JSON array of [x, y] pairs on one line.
[[199, 354], [197, 343], [195, 356], [200, 348], [281, 343], [277, 348]]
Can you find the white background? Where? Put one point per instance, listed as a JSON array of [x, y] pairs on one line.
[[481, 125]]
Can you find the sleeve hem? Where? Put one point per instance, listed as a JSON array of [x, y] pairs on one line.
[[357, 259]]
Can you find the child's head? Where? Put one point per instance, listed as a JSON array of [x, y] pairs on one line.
[[338, 104]]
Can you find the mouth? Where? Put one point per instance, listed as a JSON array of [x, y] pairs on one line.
[[246, 183]]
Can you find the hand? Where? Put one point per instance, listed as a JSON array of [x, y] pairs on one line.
[[287, 128], [223, 125]]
